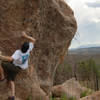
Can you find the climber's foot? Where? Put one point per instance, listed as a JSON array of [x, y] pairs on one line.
[[2, 79], [11, 98]]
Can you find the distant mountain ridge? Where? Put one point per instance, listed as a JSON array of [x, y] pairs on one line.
[[86, 46], [89, 46], [86, 50]]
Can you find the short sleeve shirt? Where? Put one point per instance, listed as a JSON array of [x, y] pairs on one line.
[[21, 59]]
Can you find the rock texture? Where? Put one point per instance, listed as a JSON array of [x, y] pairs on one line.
[[94, 96], [53, 24], [70, 88]]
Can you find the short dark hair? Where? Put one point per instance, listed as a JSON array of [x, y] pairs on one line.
[[25, 47]]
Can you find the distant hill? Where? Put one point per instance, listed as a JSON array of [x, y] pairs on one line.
[[84, 54], [83, 51]]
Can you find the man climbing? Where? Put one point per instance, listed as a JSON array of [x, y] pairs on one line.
[[11, 66]]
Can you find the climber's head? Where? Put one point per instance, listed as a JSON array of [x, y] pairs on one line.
[[25, 47]]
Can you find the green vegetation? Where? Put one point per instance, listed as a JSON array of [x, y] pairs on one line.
[[64, 97], [89, 72], [86, 93], [29, 97]]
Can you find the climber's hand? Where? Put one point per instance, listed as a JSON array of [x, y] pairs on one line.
[[31, 39], [6, 58], [24, 34], [1, 57]]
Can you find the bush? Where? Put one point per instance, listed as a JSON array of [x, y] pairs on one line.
[[64, 97], [29, 97], [85, 93]]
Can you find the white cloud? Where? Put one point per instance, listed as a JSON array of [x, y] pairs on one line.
[[95, 20], [95, 4], [88, 19]]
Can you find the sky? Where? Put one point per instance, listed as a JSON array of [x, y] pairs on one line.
[[87, 14]]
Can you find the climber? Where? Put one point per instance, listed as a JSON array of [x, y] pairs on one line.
[[11, 66]]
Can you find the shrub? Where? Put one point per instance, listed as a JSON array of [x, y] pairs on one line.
[[29, 97], [64, 97], [85, 93]]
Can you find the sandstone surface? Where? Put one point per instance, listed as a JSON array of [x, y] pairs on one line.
[[94, 96], [70, 88]]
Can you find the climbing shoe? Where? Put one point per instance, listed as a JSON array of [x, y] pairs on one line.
[[11, 98]]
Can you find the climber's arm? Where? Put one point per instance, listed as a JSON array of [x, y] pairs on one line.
[[6, 58], [31, 39]]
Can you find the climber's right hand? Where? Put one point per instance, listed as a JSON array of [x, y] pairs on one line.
[[24, 34]]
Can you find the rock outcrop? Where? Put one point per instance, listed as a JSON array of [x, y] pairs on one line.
[[70, 88], [94, 96], [53, 24]]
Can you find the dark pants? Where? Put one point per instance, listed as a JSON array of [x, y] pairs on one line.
[[10, 70]]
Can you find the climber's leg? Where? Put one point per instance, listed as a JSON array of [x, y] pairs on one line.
[[4, 69], [12, 87], [1, 73], [11, 76]]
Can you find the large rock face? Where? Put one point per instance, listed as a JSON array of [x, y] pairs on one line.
[[53, 24]]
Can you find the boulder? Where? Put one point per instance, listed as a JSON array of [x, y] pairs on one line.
[[53, 24], [94, 96], [70, 88]]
